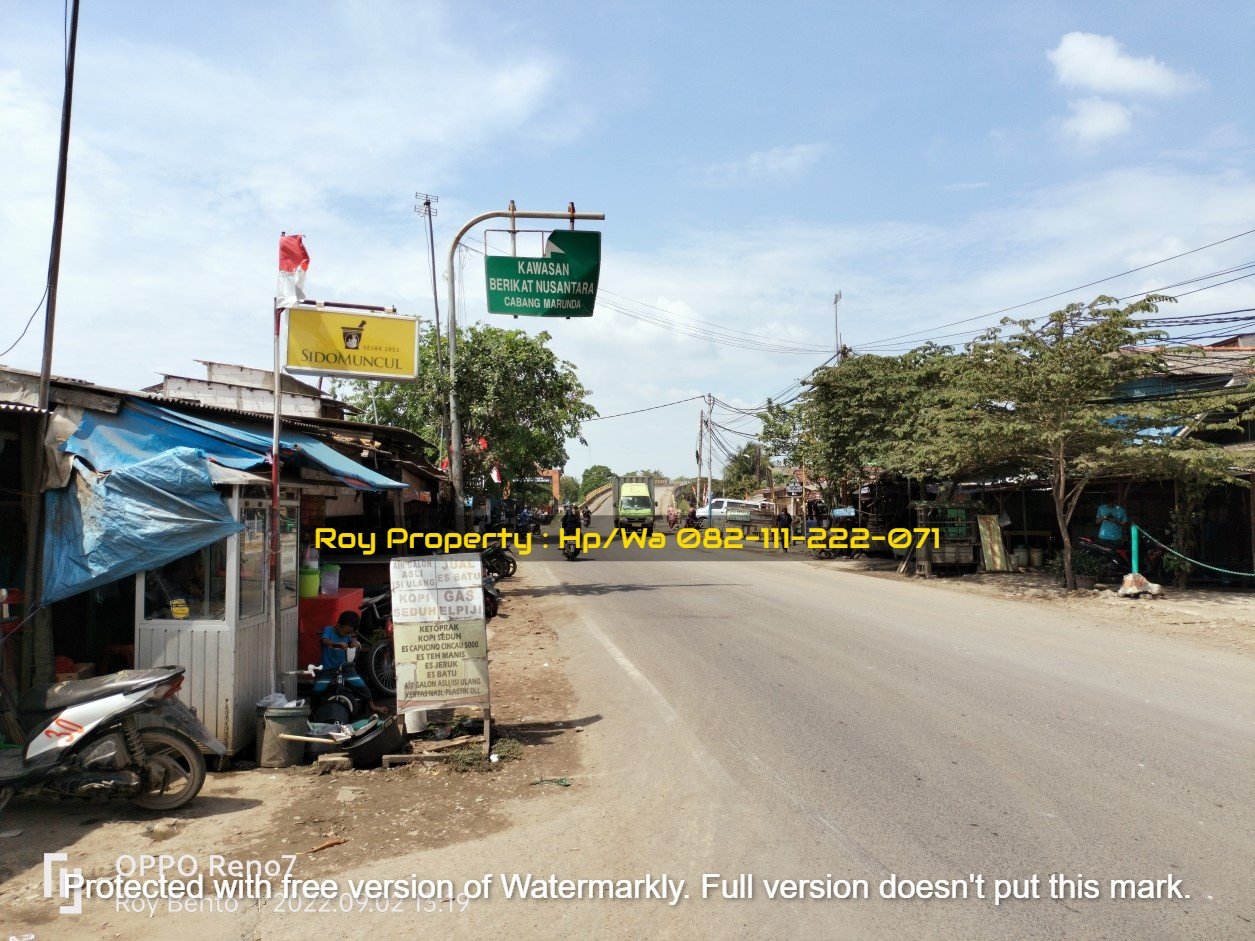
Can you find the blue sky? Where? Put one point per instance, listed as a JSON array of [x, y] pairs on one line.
[[930, 161]]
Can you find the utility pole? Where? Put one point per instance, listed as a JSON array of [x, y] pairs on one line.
[[37, 653], [710, 455], [836, 322], [455, 422], [428, 211]]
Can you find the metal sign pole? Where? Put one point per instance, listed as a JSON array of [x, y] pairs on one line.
[[455, 420], [275, 562]]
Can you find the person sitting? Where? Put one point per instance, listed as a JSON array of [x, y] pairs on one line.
[[336, 641]]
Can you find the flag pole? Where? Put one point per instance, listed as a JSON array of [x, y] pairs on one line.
[[276, 565]]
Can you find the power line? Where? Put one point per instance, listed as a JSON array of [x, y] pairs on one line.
[[651, 408], [1079, 287], [29, 321]]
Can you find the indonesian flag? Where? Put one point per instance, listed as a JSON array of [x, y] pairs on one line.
[[293, 263]]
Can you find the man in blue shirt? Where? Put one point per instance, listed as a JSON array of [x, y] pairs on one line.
[[337, 639], [1113, 521]]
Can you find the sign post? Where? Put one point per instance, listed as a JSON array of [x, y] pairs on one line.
[[440, 634], [455, 421]]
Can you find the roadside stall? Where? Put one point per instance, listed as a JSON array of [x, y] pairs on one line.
[[171, 497], [955, 545]]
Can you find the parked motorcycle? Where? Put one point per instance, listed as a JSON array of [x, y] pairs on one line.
[[83, 740], [499, 561], [1117, 561], [377, 663], [334, 700], [492, 597]]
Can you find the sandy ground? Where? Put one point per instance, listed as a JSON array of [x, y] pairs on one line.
[[1219, 619], [264, 814]]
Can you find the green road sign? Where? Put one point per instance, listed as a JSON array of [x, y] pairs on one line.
[[561, 284]]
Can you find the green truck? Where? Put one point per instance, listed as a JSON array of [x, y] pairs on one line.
[[634, 504]]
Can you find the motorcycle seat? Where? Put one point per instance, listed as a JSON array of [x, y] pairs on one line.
[[11, 765], [72, 692]]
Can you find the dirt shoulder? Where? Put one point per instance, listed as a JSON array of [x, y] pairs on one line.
[[1224, 620], [380, 814]]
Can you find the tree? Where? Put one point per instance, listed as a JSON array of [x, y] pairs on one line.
[[747, 470], [513, 393], [1059, 399], [596, 476], [569, 487]]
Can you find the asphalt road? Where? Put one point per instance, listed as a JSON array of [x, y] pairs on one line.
[[788, 721], [805, 723]]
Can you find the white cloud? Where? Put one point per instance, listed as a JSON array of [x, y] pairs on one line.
[[964, 187], [779, 164], [1100, 64], [1094, 120]]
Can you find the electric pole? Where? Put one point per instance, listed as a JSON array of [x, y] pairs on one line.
[[836, 322], [428, 211]]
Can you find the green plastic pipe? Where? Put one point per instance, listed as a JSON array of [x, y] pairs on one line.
[[1133, 540]]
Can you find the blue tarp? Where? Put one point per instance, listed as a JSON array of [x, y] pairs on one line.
[[142, 495], [141, 429], [103, 527]]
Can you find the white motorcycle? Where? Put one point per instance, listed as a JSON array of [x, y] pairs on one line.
[[84, 740]]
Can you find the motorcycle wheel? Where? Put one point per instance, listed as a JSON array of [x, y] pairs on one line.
[[511, 566], [177, 769], [490, 607], [337, 709], [380, 668]]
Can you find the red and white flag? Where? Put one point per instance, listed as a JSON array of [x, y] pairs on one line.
[[496, 473], [293, 263]]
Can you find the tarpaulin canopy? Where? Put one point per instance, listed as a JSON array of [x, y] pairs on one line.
[[142, 429], [103, 527], [143, 494]]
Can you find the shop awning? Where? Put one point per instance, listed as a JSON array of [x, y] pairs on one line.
[[141, 429], [103, 527], [143, 495]]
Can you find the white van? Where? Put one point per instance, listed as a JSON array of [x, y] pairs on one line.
[[721, 512]]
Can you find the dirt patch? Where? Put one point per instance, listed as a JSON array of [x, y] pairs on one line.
[[265, 813], [1224, 620]]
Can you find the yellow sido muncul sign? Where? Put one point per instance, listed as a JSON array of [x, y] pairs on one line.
[[326, 341]]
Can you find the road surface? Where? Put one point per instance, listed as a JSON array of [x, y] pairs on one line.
[[791, 722], [786, 721]]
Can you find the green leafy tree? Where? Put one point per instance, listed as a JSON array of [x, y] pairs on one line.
[[1054, 399], [596, 476], [513, 392], [569, 487], [747, 470]]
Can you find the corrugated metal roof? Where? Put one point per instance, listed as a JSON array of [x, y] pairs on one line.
[[25, 409]]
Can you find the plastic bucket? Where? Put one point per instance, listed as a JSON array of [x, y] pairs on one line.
[[309, 579], [272, 751], [1020, 557], [329, 583]]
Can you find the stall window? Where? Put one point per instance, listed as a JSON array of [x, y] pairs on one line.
[[288, 516], [193, 588], [253, 562]]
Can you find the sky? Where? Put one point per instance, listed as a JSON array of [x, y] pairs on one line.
[[932, 162]]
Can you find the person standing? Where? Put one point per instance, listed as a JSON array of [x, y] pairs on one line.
[[1112, 522], [784, 522]]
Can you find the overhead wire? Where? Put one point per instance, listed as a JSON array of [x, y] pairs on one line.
[[1079, 287]]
